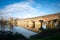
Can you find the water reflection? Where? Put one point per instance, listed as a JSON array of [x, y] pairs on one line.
[[25, 32]]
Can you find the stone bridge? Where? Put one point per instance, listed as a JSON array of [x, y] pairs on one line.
[[36, 23]]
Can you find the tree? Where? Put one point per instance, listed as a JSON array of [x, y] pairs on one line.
[[11, 23], [3, 23]]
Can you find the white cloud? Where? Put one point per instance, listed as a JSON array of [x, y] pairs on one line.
[[20, 10]]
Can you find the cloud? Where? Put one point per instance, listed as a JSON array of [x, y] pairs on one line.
[[21, 10]]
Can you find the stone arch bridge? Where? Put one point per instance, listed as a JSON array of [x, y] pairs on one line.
[[36, 23]]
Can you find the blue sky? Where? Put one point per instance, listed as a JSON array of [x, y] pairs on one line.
[[28, 8]]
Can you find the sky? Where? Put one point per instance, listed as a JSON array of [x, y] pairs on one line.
[[28, 8]]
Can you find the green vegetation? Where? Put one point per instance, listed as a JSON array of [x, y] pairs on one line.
[[47, 35]]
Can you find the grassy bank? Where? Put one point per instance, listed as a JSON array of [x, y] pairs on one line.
[[47, 35]]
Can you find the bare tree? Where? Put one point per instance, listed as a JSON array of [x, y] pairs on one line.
[[3, 23], [11, 23]]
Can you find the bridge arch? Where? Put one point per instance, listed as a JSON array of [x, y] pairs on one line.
[[31, 24]]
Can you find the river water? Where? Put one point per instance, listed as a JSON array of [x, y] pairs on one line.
[[25, 32]]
